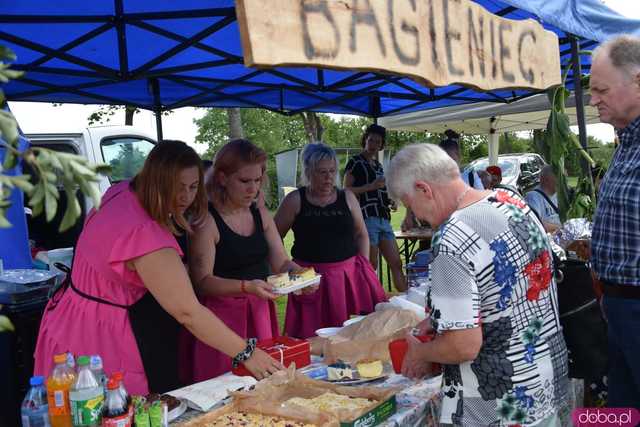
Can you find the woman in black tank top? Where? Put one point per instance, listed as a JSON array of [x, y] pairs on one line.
[[234, 251], [330, 235]]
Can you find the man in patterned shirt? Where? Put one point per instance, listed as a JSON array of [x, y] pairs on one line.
[[492, 302], [615, 245]]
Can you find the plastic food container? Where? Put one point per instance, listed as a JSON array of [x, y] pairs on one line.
[[285, 350], [398, 350]]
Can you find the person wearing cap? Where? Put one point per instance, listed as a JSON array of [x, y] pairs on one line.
[[544, 200], [364, 176], [451, 145], [496, 175]]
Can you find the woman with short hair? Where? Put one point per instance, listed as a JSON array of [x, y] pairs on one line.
[[329, 235], [128, 248], [492, 302]]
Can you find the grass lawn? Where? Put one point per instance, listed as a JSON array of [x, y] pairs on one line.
[[281, 303]]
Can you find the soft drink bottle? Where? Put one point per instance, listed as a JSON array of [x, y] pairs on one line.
[[35, 410], [58, 386], [96, 367], [86, 396], [116, 410], [119, 377]]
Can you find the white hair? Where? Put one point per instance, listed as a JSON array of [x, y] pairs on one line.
[[312, 155], [419, 162], [624, 53]]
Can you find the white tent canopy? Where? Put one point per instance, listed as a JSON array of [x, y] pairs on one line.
[[479, 118]]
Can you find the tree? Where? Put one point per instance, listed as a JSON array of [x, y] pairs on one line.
[[312, 125], [235, 123]]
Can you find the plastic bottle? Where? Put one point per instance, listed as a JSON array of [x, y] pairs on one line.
[[116, 410], [35, 410], [71, 361], [58, 386], [96, 367], [119, 377], [86, 396]]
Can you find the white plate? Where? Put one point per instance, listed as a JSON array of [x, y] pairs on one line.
[[327, 332], [177, 413], [297, 286], [353, 320]]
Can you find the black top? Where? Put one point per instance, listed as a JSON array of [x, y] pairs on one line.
[[374, 204], [241, 257], [323, 234]]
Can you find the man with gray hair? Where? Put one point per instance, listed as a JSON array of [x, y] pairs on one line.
[[615, 244], [492, 301], [544, 200]]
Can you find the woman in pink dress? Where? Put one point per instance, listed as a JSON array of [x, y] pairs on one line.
[[331, 236], [234, 251], [128, 248]]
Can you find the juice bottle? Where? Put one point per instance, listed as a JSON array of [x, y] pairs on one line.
[[86, 396], [58, 386]]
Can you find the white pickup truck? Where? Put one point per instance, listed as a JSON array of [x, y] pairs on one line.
[[123, 147]]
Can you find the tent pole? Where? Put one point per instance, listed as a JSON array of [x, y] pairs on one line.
[[577, 83], [155, 87], [494, 143]]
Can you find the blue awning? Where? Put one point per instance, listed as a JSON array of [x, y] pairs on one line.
[[164, 54]]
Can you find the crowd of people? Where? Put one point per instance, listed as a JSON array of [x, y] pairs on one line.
[[171, 270]]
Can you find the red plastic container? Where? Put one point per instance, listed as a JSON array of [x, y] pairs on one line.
[[398, 350], [285, 350]]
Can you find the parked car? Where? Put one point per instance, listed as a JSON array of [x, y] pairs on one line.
[[519, 171], [123, 147]]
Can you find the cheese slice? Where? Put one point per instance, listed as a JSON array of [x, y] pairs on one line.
[[370, 369]]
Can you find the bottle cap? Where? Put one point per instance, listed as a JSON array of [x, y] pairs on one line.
[[113, 384], [60, 358], [83, 360], [96, 362], [37, 380]]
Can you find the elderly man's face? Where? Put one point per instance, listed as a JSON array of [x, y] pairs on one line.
[[614, 93]]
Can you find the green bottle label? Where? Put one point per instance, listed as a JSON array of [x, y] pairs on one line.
[[87, 412]]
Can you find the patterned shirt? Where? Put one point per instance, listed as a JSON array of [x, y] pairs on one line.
[[493, 270], [615, 241], [375, 203]]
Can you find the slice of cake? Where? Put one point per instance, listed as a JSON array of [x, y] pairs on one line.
[[279, 280], [339, 371], [302, 275], [369, 368]]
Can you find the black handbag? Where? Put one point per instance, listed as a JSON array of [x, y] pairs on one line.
[[584, 329]]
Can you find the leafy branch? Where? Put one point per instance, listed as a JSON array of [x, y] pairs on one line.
[[51, 168]]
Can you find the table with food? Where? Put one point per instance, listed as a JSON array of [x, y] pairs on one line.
[[344, 376]]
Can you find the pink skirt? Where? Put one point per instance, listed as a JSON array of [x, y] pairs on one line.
[[248, 316], [347, 287]]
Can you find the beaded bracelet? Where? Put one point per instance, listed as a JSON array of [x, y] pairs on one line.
[[246, 353]]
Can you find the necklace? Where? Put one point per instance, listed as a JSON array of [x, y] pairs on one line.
[[461, 196]]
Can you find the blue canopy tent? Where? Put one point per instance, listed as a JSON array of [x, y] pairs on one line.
[[14, 241], [162, 55]]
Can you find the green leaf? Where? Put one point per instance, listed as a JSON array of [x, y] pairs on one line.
[[8, 128], [4, 223], [73, 211], [22, 182], [5, 323], [50, 204], [37, 197]]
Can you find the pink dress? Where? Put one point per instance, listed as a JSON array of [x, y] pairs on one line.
[[347, 287], [118, 232]]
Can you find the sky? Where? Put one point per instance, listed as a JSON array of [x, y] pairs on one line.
[[35, 117]]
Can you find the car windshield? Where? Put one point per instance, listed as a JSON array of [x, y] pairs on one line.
[[509, 167]]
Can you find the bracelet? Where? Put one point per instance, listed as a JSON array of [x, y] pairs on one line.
[[245, 354], [242, 287]]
